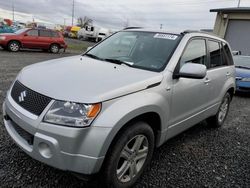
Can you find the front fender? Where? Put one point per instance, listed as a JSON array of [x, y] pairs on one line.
[[116, 113]]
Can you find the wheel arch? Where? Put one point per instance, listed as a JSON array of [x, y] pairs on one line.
[[14, 40]]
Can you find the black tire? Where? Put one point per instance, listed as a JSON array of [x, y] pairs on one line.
[[54, 48], [115, 161], [218, 119], [14, 46]]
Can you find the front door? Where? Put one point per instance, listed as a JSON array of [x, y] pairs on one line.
[[190, 96], [31, 39]]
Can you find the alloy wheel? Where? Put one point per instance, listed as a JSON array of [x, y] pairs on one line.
[[132, 158], [223, 109]]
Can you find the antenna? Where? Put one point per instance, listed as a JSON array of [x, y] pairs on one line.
[[238, 3], [73, 12]]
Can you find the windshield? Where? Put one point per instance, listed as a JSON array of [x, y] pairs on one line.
[[242, 61], [145, 50], [21, 31]]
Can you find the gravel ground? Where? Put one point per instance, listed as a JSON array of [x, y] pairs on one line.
[[199, 157]]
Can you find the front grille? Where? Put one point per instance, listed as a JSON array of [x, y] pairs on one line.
[[24, 134], [29, 99]]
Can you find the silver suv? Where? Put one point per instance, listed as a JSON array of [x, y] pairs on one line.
[[104, 112]]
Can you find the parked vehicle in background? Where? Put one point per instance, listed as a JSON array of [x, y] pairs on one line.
[[93, 33], [120, 100], [236, 52], [6, 29], [34, 38], [73, 32], [103, 33], [242, 65], [67, 31]]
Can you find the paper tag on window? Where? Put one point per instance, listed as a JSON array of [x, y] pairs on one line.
[[165, 36]]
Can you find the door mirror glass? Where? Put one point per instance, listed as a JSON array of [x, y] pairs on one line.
[[192, 70]]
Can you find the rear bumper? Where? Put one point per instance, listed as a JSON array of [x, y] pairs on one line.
[[65, 148]]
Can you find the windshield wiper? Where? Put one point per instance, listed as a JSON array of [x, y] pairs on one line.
[[119, 62], [242, 67], [93, 56]]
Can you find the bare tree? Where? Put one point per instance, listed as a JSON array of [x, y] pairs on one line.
[[84, 21]]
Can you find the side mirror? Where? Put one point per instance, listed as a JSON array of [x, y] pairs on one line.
[[25, 34], [192, 70]]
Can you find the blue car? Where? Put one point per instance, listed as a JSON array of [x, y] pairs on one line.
[[242, 65]]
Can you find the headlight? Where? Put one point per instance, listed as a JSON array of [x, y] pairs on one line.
[[238, 78], [72, 114], [245, 79], [2, 37]]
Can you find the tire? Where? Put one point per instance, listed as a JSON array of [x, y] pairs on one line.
[[131, 151], [14, 46], [218, 119], [54, 48]]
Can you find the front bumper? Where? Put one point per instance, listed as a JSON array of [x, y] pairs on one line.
[[72, 149], [242, 86]]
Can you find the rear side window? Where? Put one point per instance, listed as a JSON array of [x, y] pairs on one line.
[[227, 55], [195, 52], [32, 32], [215, 54], [44, 33]]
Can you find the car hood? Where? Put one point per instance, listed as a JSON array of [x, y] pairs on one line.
[[240, 72], [7, 34], [85, 80]]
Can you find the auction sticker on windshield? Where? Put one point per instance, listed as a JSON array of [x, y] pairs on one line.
[[165, 36]]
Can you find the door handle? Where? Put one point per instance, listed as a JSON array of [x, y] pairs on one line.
[[207, 81]]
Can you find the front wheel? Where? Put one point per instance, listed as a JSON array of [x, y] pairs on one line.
[[218, 119], [128, 156], [14, 46]]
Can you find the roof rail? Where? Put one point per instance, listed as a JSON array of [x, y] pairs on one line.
[[197, 31], [126, 28]]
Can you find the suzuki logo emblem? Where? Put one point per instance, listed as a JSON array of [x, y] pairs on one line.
[[22, 95]]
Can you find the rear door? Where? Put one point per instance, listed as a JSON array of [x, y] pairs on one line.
[[219, 70], [45, 38], [30, 39]]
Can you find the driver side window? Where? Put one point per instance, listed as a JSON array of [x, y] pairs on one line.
[[33, 33], [195, 52]]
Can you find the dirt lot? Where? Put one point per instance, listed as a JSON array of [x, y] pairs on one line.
[[200, 157]]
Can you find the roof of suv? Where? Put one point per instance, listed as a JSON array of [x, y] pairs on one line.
[[177, 32]]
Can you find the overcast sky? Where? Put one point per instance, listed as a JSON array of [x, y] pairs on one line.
[[172, 14]]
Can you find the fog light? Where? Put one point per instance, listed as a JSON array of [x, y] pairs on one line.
[[45, 150]]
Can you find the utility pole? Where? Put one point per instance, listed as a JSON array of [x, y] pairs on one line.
[[73, 12], [160, 26], [238, 3], [13, 11], [64, 23]]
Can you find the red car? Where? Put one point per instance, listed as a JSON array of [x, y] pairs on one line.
[[35, 38]]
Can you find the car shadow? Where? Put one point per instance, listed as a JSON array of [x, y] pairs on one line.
[[243, 94]]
